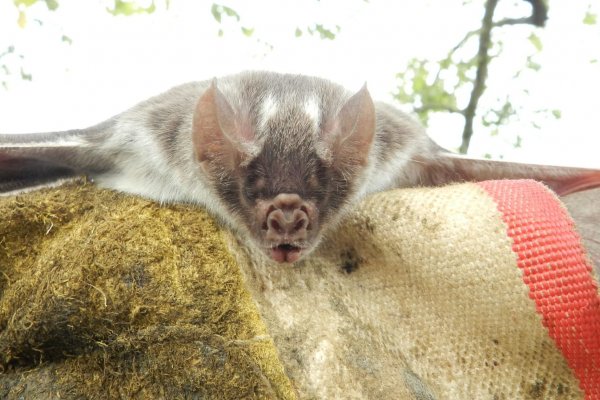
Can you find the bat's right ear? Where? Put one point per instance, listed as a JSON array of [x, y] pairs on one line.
[[350, 138], [217, 134]]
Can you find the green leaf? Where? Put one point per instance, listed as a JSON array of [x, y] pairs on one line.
[[52, 4], [231, 12], [324, 33], [130, 7], [247, 31], [590, 18], [533, 65], [298, 32], [216, 12], [556, 114], [66, 39], [518, 142], [25, 76], [26, 3], [535, 41], [22, 20], [445, 63]]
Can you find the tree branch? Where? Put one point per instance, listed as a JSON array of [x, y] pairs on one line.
[[485, 39], [539, 12], [9, 50], [463, 41], [514, 21]]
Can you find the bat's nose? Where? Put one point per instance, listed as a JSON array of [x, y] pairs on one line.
[[287, 219]]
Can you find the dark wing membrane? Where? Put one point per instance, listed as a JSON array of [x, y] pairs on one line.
[[17, 173], [449, 167], [30, 160]]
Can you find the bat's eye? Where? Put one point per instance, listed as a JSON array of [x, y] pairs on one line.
[[260, 184], [255, 187], [313, 182], [317, 182]]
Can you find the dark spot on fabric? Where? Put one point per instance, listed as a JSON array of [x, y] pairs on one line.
[[350, 261], [369, 225], [537, 389]]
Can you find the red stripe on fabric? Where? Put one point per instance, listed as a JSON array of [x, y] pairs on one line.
[[557, 272]]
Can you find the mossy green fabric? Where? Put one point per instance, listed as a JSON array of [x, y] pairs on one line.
[[104, 295]]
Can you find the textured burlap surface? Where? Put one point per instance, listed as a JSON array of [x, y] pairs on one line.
[[415, 296]]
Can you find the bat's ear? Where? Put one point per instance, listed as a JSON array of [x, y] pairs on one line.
[[349, 141], [218, 135]]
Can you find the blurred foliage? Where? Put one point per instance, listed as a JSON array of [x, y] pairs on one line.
[[219, 12], [222, 12], [11, 59], [22, 6], [447, 85], [319, 30], [121, 7], [590, 18]]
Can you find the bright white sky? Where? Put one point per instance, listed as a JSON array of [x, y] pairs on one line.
[[115, 62]]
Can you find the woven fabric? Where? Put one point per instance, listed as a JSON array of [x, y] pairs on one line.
[[557, 272], [419, 294]]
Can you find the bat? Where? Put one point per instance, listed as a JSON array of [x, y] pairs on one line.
[[278, 157]]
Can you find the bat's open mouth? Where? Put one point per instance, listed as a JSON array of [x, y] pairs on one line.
[[286, 253]]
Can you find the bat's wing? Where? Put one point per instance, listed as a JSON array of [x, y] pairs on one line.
[[31, 160], [449, 167]]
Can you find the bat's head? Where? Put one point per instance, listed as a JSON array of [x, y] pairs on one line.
[[284, 162]]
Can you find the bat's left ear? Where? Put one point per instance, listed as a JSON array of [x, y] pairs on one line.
[[351, 139], [217, 133]]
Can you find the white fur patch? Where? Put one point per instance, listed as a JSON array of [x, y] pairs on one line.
[[311, 108], [384, 176], [268, 109]]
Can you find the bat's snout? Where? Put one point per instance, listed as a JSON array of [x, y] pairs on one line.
[[287, 224]]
